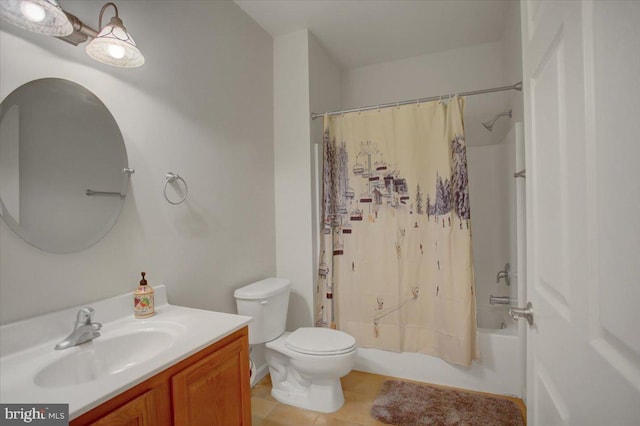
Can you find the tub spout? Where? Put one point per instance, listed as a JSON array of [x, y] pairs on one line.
[[499, 300]]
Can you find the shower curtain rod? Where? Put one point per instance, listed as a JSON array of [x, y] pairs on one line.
[[517, 86]]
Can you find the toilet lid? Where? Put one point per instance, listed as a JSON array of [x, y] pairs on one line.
[[320, 341]]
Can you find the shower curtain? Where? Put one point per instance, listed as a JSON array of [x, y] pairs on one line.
[[396, 268]]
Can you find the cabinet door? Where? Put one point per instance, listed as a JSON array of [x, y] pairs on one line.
[[140, 411], [214, 390]]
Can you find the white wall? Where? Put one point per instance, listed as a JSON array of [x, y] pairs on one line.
[[305, 79], [201, 106], [293, 198], [324, 95], [492, 199], [451, 71], [512, 60]]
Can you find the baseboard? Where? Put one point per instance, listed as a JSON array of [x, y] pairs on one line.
[[259, 374]]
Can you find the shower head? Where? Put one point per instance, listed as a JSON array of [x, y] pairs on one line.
[[489, 124]]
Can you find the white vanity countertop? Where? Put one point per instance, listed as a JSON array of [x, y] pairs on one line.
[[27, 348]]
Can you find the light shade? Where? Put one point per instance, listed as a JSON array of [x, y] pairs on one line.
[[114, 46], [40, 16]]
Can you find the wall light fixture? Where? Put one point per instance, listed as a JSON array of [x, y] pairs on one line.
[[112, 45]]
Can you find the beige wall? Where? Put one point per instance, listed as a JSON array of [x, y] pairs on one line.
[[201, 106]]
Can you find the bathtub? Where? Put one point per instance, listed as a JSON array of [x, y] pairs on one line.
[[500, 371]]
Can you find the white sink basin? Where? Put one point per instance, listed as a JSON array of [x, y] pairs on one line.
[[104, 356], [129, 351]]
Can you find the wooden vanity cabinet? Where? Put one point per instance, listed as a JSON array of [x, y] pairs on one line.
[[209, 388], [143, 410], [207, 392]]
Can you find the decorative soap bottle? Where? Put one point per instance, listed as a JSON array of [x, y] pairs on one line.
[[143, 299]]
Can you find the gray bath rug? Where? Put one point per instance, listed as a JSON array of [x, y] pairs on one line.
[[401, 403]]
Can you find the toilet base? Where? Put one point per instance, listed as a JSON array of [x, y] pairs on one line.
[[307, 381], [323, 396]]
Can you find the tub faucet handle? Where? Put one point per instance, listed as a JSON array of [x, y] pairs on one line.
[[506, 274], [526, 313]]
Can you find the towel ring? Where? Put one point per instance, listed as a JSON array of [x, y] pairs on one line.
[[171, 177]]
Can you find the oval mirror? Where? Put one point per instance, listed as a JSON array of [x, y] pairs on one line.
[[63, 165]]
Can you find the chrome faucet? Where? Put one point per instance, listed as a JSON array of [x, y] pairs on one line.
[[506, 274], [83, 331]]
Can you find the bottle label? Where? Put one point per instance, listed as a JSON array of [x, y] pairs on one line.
[[143, 305]]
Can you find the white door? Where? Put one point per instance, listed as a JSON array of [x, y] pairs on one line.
[[581, 66]]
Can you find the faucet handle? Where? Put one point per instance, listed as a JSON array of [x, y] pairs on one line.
[[506, 274], [85, 315]]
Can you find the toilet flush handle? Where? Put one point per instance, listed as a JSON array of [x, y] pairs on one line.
[[264, 302]]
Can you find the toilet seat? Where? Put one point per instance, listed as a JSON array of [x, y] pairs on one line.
[[320, 341]]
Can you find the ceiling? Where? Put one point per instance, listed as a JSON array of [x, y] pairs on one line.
[[363, 32]]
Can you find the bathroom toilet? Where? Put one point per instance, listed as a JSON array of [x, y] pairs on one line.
[[305, 365]]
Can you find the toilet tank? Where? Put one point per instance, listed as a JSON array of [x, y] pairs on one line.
[[267, 302]]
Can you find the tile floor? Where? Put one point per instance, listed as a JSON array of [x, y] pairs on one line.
[[360, 390]]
